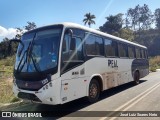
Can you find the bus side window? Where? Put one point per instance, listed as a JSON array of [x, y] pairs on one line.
[[122, 49], [99, 46], [142, 53], [145, 53], [65, 47], [110, 48], [72, 54], [131, 52], [78, 49], [90, 44], [138, 53], [94, 45]]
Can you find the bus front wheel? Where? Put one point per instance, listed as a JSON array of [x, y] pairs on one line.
[[94, 91]]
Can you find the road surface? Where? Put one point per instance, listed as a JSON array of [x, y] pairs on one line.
[[128, 97]]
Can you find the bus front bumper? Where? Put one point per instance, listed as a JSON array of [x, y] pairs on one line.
[[44, 96]]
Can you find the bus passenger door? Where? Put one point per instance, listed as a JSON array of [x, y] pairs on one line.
[[73, 85]]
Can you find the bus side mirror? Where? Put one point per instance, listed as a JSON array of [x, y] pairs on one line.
[[64, 47], [73, 44], [10, 45], [69, 32]]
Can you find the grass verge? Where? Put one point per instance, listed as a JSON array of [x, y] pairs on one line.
[[154, 63], [6, 73]]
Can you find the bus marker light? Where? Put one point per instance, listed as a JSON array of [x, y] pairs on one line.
[[65, 88], [46, 86], [50, 84], [44, 81], [51, 99], [64, 98], [38, 92], [66, 84]]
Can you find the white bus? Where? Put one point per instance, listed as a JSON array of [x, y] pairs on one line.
[[62, 62]]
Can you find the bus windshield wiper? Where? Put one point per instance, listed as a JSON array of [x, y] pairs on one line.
[[36, 66], [29, 56], [19, 69]]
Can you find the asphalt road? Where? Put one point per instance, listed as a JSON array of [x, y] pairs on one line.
[[125, 98]]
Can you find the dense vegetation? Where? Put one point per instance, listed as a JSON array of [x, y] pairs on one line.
[[154, 63], [6, 66], [138, 24], [4, 44], [6, 73]]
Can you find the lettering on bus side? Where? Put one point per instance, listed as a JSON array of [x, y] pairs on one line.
[[112, 63]]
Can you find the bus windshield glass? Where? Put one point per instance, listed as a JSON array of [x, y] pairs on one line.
[[40, 51]]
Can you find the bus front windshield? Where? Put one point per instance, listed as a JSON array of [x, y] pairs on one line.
[[40, 52]]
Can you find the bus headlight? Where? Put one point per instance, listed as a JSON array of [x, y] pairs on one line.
[[44, 81], [46, 86]]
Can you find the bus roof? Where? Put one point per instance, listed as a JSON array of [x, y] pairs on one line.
[[74, 25]]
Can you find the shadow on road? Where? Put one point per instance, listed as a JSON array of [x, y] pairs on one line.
[[66, 109], [69, 109], [118, 89]]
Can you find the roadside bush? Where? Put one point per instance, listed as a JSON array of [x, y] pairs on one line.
[[154, 63], [15, 99]]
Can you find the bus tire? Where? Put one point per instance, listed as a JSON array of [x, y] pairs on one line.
[[93, 91], [136, 78]]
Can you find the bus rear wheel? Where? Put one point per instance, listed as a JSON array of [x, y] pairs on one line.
[[136, 78], [94, 91]]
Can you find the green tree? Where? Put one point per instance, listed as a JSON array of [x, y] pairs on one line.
[[30, 26], [146, 17], [133, 16], [4, 44], [19, 33], [113, 24], [157, 17], [140, 17], [3, 48], [125, 33], [127, 23], [89, 19]]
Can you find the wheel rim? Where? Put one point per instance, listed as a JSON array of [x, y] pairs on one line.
[[93, 91]]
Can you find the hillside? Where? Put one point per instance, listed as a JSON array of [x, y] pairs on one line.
[[151, 39]]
